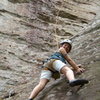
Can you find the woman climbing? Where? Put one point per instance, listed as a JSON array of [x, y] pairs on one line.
[[58, 63]]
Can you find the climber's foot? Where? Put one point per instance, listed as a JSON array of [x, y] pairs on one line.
[[78, 82]]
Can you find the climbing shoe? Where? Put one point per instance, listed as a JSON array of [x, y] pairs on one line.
[[78, 82], [30, 99]]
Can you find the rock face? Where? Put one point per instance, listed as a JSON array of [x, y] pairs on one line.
[[29, 33], [86, 46]]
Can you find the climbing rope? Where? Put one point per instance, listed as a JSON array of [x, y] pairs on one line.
[[56, 22]]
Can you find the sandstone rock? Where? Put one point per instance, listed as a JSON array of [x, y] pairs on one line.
[[29, 32]]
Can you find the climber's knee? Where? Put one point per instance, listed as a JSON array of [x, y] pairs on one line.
[[65, 69], [43, 83]]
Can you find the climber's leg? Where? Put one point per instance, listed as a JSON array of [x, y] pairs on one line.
[[44, 79], [38, 88], [70, 75]]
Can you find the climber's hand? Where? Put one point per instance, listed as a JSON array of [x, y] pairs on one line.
[[79, 65], [80, 70]]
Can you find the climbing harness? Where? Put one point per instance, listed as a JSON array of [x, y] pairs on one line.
[[48, 66]]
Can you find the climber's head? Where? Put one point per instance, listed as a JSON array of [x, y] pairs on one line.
[[67, 44]]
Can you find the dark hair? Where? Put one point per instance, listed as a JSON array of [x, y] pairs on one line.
[[70, 46]]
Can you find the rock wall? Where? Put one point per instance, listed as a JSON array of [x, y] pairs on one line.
[[85, 51], [29, 32]]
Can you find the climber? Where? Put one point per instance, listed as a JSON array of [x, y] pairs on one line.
[[58, 62]]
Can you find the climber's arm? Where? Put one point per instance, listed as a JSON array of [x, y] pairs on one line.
[[70, 61]]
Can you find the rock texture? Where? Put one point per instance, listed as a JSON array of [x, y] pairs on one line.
[[86, 47], [29, 32]]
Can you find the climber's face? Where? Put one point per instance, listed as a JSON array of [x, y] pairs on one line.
[[67, 47]]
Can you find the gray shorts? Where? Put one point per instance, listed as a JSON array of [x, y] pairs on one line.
[[57, 65]]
